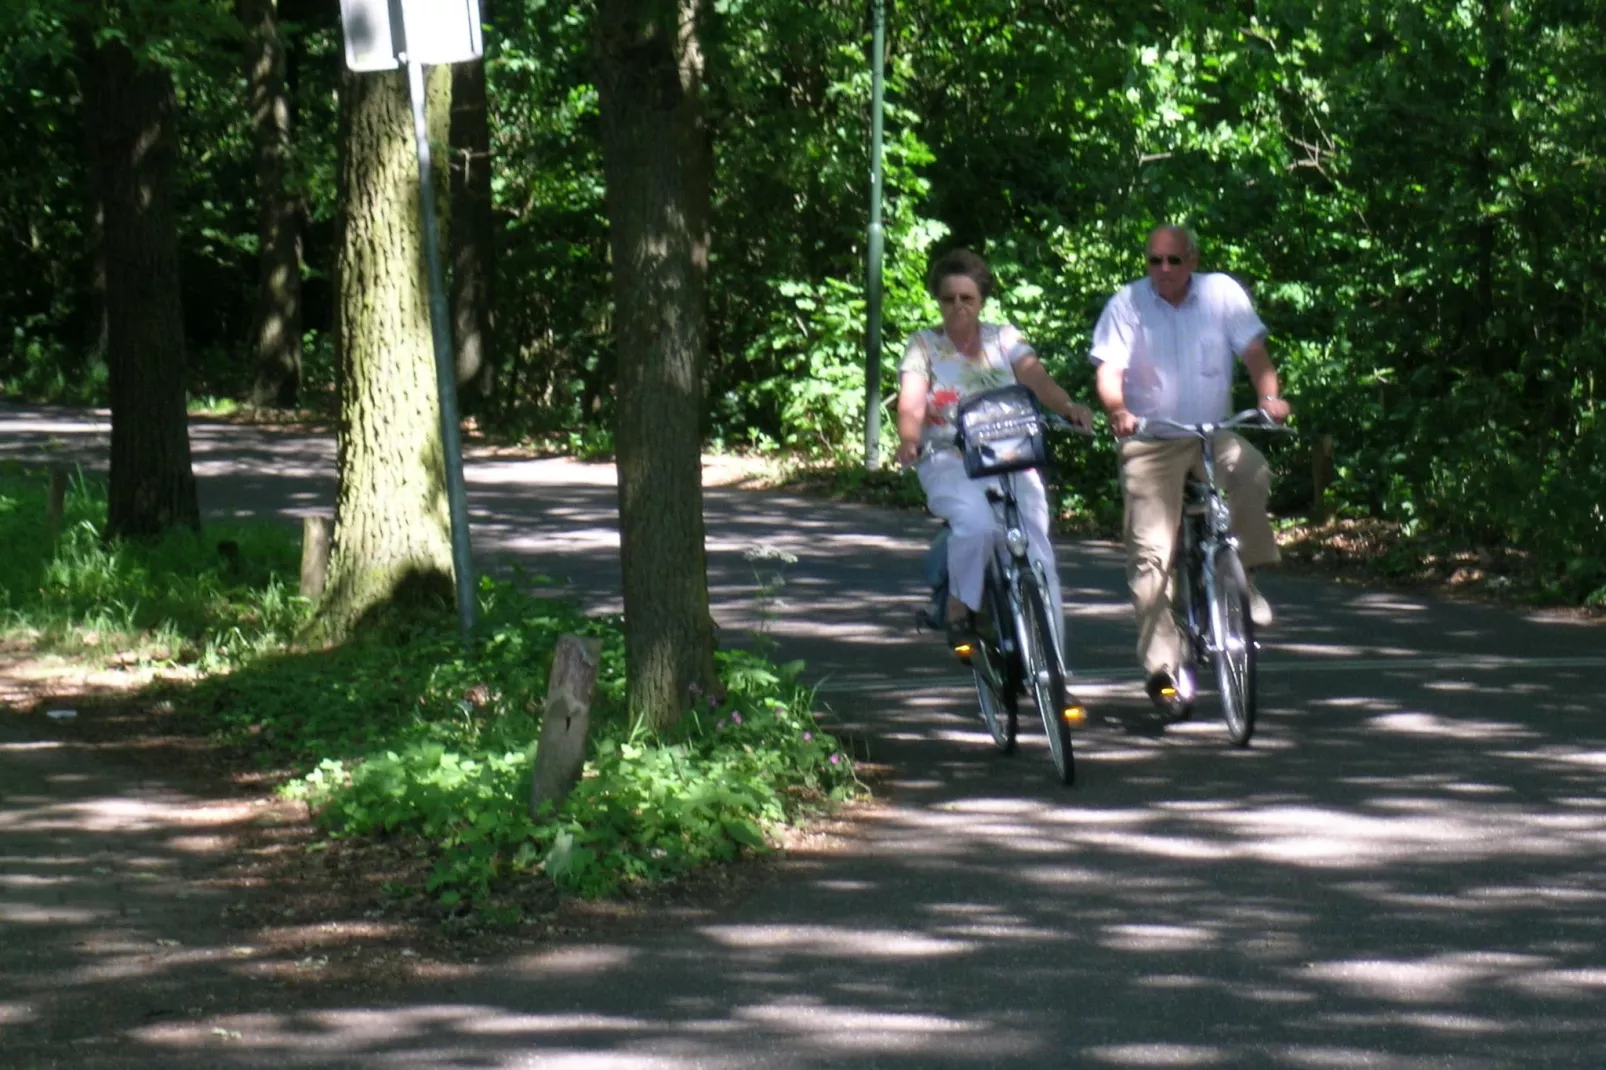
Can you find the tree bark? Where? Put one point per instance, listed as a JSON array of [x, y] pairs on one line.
[[392, 537], [130, 105], [656, 163], [276, 328], [473, 252]]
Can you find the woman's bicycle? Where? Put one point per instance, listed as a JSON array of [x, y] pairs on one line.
[[1210, 589], [1019, 646]]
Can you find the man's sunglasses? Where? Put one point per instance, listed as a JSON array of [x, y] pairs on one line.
[[1173, 260]]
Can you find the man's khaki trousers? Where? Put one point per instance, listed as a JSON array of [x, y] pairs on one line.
[[1152, 478]]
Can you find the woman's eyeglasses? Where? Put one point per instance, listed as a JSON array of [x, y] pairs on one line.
[[1156, 261]]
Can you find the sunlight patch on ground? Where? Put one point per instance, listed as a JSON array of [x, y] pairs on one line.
[[1332, 1058], [1325, 650], [1564, 984], [1594, 759], [1418, 723], [1444, 979], [126, 815], [1387, 600], [1150, 938], [1158, 1055], [851, 1029], [828, 941], [36, 914], [576, 961]]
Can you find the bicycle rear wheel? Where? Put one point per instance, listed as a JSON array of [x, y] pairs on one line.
[[1045, 674], [996, 680], [1233, 632]]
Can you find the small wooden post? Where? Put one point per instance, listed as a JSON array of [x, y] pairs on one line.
[[1321, 477], [56, 503], [561, 752], [316, 532]]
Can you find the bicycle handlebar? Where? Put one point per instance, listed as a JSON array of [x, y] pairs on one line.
[[1255, 418]]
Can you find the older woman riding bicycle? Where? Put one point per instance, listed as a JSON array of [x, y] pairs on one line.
[[941, 367]]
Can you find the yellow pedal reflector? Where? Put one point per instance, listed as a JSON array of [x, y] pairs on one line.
[[964, 650], [1168, 692], [1074, 714]]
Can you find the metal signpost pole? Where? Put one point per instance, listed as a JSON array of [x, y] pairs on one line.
[[872, 289], [445, 366]]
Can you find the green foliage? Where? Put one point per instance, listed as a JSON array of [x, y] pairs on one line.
[[1415, 191], [217, 597], [407, 735]]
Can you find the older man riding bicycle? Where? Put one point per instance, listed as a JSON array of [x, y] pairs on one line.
[[1164, 346]]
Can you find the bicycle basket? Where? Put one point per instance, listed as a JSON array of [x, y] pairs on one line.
[[1000, 431]]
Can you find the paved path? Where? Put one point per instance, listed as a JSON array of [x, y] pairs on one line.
[[1405, 871]]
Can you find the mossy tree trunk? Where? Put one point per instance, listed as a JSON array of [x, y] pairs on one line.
[[130, 105], [276, 328], [656, 163], [392, 536]]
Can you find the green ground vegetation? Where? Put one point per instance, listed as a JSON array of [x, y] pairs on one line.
[[400, 732]]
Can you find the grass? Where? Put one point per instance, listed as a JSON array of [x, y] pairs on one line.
[[208, 598], [400, 734]]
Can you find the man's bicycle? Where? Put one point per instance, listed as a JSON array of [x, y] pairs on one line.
[[1019, 647], [1210, 588]]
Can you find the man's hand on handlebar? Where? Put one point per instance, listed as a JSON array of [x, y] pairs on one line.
[[1275, 408], [908, 453], [1123, 423]]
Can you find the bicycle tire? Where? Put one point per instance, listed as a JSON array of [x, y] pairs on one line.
[[1187, 600], [1045, 673], [999, 703], [1233, 632]]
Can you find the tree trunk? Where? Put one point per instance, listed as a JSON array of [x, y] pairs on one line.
[[655, 159], [473, 253], [276, 329], [392, 537], [130, 107]]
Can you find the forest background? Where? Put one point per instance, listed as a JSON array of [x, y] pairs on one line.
[[1414, 189]]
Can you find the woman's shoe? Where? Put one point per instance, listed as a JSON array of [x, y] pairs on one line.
[[962, 638]]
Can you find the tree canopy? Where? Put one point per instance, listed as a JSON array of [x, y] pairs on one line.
[[1415, 190]]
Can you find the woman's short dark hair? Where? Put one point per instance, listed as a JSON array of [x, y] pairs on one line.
[[961, 262]]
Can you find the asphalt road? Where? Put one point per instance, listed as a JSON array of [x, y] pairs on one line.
[[1404, 871]]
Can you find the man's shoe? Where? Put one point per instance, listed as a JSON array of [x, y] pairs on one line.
[[1167, 695], [1259, 609]]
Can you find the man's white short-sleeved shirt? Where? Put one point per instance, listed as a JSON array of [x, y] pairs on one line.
[[1178, 359]]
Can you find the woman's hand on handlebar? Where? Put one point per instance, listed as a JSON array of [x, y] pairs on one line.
[[1275, 408], [1080, 415], [908, 453]]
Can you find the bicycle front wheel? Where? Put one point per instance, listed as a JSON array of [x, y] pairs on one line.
[[1045, 674], [996, 679], [1233, 632]]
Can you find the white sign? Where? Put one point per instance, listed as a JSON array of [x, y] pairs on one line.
[[431, 32]]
